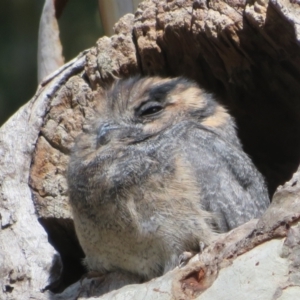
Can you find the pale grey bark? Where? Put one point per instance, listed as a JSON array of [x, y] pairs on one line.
[[50, 55], [26, 256]]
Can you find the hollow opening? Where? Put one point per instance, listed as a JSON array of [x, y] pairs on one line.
[[62, 236], [261, 91]]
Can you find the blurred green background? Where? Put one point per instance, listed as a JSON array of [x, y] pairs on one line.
[[80, 27]]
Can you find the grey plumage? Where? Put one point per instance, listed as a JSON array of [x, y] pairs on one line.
[[159, 170]]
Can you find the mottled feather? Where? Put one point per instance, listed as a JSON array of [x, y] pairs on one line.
[[160, 170]]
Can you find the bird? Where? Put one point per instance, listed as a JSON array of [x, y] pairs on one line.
[[158, 170]]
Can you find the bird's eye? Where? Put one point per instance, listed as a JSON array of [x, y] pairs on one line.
[[150, 108]]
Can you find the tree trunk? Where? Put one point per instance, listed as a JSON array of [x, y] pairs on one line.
[[248, 55]]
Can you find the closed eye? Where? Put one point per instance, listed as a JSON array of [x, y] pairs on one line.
[[149, 108]]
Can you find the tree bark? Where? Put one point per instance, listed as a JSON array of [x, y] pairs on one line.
[[248, 55], [49, 55]]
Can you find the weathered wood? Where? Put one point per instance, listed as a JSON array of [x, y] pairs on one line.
[[246, 53], [50, 55], [26, 255]]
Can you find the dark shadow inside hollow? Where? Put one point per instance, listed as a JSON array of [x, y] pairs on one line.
[[62, 236], [256, 78]]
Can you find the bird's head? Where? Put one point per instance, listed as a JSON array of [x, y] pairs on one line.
[[136, 109], [139, 131]]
